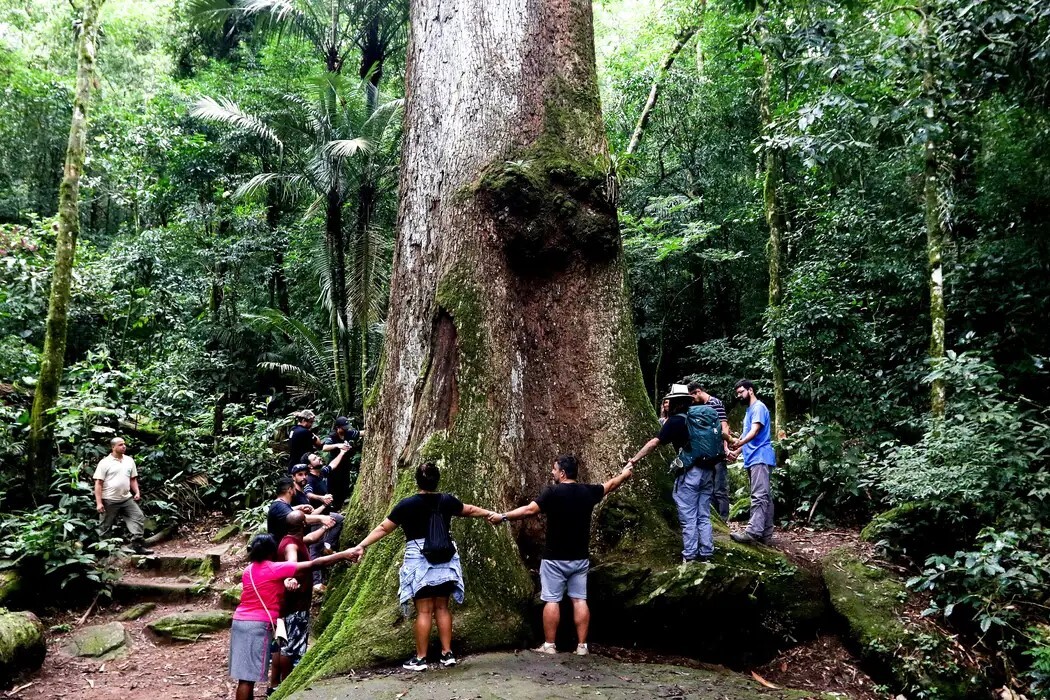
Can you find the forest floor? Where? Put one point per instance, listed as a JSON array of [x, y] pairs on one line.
[[156, 671]]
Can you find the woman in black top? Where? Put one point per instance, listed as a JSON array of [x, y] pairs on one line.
[[428, 584]]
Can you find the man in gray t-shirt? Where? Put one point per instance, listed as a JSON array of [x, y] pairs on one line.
[[117, 493]]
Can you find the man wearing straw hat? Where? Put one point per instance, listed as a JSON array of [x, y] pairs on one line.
[[694, 484]]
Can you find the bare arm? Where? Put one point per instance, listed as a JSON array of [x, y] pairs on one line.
[[617, 481], [98, 497], [381, 530], [321, 562], [338, 459], [526, 511], [470, 511], [135, 492], [755, 427], [646, 449]]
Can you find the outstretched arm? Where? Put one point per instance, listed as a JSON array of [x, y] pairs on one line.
[[381, 530], [646, 449], [617, 481], [470, 511], [517, 514]]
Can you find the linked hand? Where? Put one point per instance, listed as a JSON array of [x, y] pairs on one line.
[[355, 553], [495, 518], [291, 584], [328, 521], [327, 499], [628, 471]]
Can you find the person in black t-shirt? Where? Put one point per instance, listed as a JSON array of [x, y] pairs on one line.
[[277, 514], [566, 556], [302, 439], [340, 440], [693, 487], [428, 584]]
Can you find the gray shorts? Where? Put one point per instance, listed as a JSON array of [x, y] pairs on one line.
[[558, 574], [249, 650]]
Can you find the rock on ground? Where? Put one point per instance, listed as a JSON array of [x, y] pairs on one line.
[[526, 675], [137, 611], [189, 626], [22, 646], [107, 641], [10, 585]]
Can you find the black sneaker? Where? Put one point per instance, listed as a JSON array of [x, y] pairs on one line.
[[415, 664], [139, 548], [447, 659]]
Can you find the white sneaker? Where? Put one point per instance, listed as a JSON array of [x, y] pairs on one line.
[[582, 650], [546, 648]]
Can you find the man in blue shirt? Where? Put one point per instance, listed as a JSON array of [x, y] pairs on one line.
[[757, 448]]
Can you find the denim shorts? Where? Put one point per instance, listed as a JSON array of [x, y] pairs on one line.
[[558, 574]]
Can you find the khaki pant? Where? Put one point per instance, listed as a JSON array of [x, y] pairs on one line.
[[127, 509]]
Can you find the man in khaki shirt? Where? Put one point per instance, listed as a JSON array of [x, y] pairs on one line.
[[117, 493]]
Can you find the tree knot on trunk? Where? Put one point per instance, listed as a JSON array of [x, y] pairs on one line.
[[549, 209]]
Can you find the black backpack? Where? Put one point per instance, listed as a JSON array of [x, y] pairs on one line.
[[438, 547]]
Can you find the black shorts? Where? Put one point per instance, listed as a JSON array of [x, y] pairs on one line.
[[442, 590]]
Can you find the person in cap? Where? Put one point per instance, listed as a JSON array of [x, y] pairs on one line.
[[301, 438], [693, 487], [341, 482]]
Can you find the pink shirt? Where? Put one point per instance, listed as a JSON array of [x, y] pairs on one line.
[[269, 579]]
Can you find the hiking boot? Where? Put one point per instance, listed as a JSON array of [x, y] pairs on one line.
[[415, 664], [705, 558], [546, 648], [582, 650], [744, 537], [140, 548], [447, 659]]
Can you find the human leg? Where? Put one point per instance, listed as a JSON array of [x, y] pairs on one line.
[[581, 615], [444, 623], [705, 489], [245, 690], [686, 495], [110, 516], [424, 617], [134, 519], [720, 497], [761, 503]]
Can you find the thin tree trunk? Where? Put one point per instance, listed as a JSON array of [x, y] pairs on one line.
[[643, 120], [278, 280], [337, 296], [52, 360], [776, 220], [509, 337], [936, 227]]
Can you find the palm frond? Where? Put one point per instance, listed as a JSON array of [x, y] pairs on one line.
[[209, 15], [346, 148], [226, 111], [285, 185]]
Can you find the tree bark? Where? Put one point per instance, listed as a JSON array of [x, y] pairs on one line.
[[41, 438], [509, 338], [336, 244], [776, 221], [935, 224]]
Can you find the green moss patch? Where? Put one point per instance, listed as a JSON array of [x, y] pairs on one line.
[[910, 656], [22, 645], [189, 626]]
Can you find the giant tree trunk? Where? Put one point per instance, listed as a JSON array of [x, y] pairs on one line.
[[509, 338], [41, 448]]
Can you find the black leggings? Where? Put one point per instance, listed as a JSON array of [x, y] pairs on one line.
[[442, 590]]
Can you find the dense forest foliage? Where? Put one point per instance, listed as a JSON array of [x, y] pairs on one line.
[[843, 201]]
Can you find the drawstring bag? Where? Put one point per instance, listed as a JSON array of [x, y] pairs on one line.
[[438, 547]]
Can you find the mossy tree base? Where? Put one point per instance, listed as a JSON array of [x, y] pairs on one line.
[[908, 657]]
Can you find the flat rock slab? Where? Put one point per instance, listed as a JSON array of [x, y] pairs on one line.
[[189, 626], [527, 675], [109, 641]]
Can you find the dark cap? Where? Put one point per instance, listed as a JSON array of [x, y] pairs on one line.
[[342, 422], [296, 468]]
